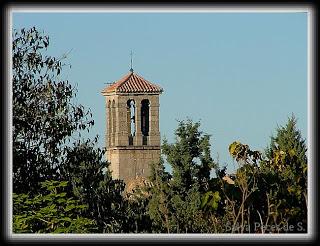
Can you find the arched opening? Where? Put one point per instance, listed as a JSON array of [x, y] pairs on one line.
[[131, 120], [145, 107], [113, 119]]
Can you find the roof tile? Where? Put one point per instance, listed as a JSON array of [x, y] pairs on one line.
[[133, 83]]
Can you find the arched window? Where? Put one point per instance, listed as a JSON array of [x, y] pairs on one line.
[[113, 118], [145, 106], [131, 120]]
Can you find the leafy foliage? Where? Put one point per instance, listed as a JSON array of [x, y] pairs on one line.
[[52, 211], [137, 217], [47, 143], [243, 154], [275, 186], [159, 207], [210, 200], [285, 171], [179, 197], [92, 184], [44, 115], [189, 157], [287, 139]]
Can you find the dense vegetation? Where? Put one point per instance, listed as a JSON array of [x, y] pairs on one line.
[[62, 183]]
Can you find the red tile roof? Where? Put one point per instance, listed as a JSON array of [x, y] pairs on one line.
[[133, 83]]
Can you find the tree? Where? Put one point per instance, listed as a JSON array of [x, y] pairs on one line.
[[240, 202], [44, 115], [180, 196], [137, 217], [272, 188], [47, 127], [92, 184], [51, 211], [285, 171], [189, 157], [159, 206], [289, 138]]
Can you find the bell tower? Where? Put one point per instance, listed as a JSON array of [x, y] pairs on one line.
[[132, 126]]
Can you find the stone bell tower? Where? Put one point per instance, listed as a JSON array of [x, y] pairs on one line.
[[132, 126]]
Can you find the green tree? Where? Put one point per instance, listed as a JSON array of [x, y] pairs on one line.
[[47, 127], [180, 196], [288, 138], [159, 206], [44, 114], [285, 170], [270, 190], [189, 157], [93, 185], [51, 211], [137, 216]]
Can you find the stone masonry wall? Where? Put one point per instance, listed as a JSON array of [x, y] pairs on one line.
[[130, 161]]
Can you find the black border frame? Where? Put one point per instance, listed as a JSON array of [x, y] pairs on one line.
[[124, 4]]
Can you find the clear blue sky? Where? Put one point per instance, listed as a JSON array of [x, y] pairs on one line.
[[240, 74]]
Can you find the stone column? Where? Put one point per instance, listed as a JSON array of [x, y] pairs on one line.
[[107, 130], [114, 122], [154, 121], [122, 122]]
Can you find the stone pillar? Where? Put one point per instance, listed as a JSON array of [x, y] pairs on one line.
[[116, 127], [154, 121], [122, 122], [107, 130], [114, 122], [128, 122], [111, 123]]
